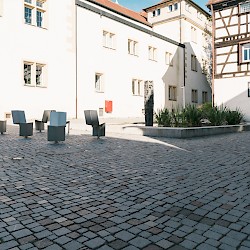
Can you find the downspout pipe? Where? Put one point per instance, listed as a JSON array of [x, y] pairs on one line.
[[184, 61], [76, 64]]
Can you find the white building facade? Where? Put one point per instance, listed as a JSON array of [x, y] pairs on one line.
[[186, 22], [37, 49], [76, 55]]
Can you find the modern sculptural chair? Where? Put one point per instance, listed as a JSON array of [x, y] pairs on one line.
[[39, 124], [91, 118], [56, 129], [25, 128]]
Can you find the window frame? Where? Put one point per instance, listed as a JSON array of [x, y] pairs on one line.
[[172, 93], [193, 34], [137, 87], [133, 47], [169, 59], [204, 97], [100, 87], [152, 53], [194, 63], [241, 54], [194, 96], [108, 40], [33, 80], [35, 8]]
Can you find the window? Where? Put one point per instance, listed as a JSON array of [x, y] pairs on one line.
[[170, 8], [156, 12], [172, 93], [28, 15], [39, 18], [99, 83], [193, 63], [152, 53], [132, 47], [199, 15], [204, 97], [194, 97], [193, 34], [108, 40], [137, 87], [168, 59], [187, 7], [39, 74], [34, 12], [27, 73], [246, 53], [248, 89], [34, 74], [244, 7], [176, 6]]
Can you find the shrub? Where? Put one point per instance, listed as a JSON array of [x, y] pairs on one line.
[[216, 116], [192, 116], [233, 117], [163, 117]]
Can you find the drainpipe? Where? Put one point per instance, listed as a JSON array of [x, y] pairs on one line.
[[184, 65], [76, 102], [213, 53]]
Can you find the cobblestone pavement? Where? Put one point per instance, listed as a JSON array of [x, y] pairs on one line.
[[124, 192]]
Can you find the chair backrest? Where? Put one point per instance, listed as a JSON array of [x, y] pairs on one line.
[[18, 116], [46, 115], [58, 119], [91, 117]]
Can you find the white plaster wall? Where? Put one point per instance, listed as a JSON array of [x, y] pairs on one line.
[[194, 80], [233, 95], [54, 46], [118, 67]]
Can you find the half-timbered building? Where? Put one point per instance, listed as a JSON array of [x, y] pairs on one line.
[[231, 53]]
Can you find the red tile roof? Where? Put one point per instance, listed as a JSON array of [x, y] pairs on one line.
[[122, 10]]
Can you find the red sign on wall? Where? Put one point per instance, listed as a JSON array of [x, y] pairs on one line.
[[108, 106]]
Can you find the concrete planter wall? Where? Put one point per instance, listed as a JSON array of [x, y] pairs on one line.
[[185, 132]]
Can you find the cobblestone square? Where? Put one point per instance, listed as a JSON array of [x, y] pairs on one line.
[[124, 192]]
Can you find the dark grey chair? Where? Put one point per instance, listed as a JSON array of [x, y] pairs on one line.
[[91, 118], [25, 128], [3, 126], [39, 124], [56, 129]]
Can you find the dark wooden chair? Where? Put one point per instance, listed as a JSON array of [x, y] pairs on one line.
[[91, 118], [25, 128]]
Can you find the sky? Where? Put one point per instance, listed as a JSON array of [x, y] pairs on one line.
[[138, 5]]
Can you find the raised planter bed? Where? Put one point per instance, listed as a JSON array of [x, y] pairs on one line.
[[185, 132]]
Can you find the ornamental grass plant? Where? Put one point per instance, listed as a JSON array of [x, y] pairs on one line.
[[193, 116]]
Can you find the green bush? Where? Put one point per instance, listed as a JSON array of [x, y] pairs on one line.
[[233, 117], [163, 117], [216, 116], [192, 116]]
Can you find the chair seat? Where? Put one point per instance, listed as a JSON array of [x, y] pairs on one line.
[[26, 129], [3, 126]]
